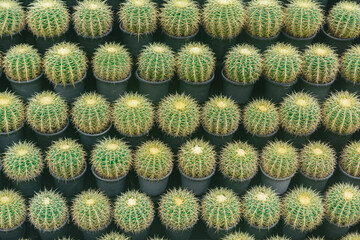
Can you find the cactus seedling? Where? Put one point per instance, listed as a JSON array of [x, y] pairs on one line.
[[350, 64], [114, 236], [350, 159], [12, 112], [12, 209], [238, 236], [12, 17]]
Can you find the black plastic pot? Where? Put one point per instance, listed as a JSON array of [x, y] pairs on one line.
[[177, 42], [14, 233], [174, 142], [338, 141], [345, 177], [259, 232], [179, 234], [90, 44], [261, 43], [332, 231], [54, 234], [198, 90], [280, 185], [7, 139], [318, 184], [43, 44], [70, 91], [300, 43], [239, 186], [320, 91], [350, 86], [154, 187], [140, 235], [218, 45], [7, 41], [297, 141], [215, 234], [153, 90], [26, 89], [135, 42], [293, 233], [259, 141], [218, 141], [275, 91], [89, 140], [112, 90], [341, 44], [28, 188], [111, 187], [94, 235], [45, 139], [198, 185], [136, 140]]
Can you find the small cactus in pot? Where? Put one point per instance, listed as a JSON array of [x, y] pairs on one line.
[[12, 17], [12, 211], [349, 65], [114, 236], [238, 236], [350, 162]]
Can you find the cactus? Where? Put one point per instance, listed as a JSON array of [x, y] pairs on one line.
[[179, 209], [114, 236], [221, 209], [111, 62], [66, 158], [344, 20], [351, 236], [12, 112], [12, 209], [341, 112], [282, 62], [277, 238], [133, 212], [91, 210], [111, 158], [320, 64], [157, 238], [300, 114], [350, 64], [303, 209], [264, 18], [47, 112], [238, 236], [48, 18], [133, 114], [303, 18], [195, 62], [261, 207], [65, 63], [223, 19], [22, 63], [349, 160], [138, 16], [197, 158], [22, 162], [178, 115], [279, 159], [156, 63], [12, 17], [48, 210], [91, 113], [180, 18]]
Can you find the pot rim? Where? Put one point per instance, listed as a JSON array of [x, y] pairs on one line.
[[332, 37], [70, 179], [345, 173], [266, 135], [69, 84], [14, 228], [26, 81], [316, 84], [108, 180], [199, 83], [182, 38], [280, 83], [113, 82], [283, 31], [242, 180], [348, 81], [156, 180], [276, 179], [317, 179], [13, 131], [197, 179], [261, 38], [136, 34], [150, 82], [55, 133], [236, 83], [95, 134]]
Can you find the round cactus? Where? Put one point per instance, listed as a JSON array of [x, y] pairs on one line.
[[65, 63], [350, 159], [351, 236], [12, 17], [114, 236], [238, 236], [48, 210], [350, 64], [133, 114], [12, 209], [178, 115], [179, 209], [48, 18], [111, 62], [12, 112]]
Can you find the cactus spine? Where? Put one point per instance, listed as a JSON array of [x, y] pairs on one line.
[[12, 17], [12, 209], [12, 112], [349, 160], [114, 236], [350, 64], [238, 236]]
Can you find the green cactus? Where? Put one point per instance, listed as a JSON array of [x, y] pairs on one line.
[[48, 18], [91, 210], [282, 62], [114, 236], [350, 64], [111, 62], [238, 236], [66, 158], [342, 204], [47, 112], [133, 212], [12, 17], [349, 160], [279, 159], [341, 112], [65, 63], [12, 209], [12, 112], [48, 210], [178, 115], [277, 238], [344, 20], [351, 236], [133, 114], [111, 158]]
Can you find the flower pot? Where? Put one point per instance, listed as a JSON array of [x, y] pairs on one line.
[[70, 91], [275, 91], [338, 141], [340, 44], [297, 141], [198, 185], [318, 184], [90, 44], [177, 42], [320, 91], [238, 186], [111, 89], [45, 139], [43, 44], [292, 233], [140, 235], [179, 234], [135, 42], [197, 90], [332, 231], [218, 141], [7, 41], [56, 233], [174, 142], [345, 177], [280, 185], [111, 187], [154, 187], [219, 234], [14, 233], [259, 232], [26, 89], [7, 139], [136, 140], [350, 86], [261, 43], [260, 141], [218, 45], [94, 235], [89, 140], [28, 188], [300, 43]]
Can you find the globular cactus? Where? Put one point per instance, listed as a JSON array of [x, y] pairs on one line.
[[197, 158], [91, 113], [351, 236], [12, 112], [66, 158], [111, 62], [179, 209], [341, 112], [220, 115], [178, 115], [133, 114], [277, 237], [12, 209], [133, 212], [282, 63], [111, 158], [48, 18], [350, 64], [12, 17], [238, 236], [48, 210], [47, 112], [65, 63], [114, 236], [349, 160], [91, 210], [195, 62]]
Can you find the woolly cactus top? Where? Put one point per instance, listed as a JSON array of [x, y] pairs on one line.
[[12, 112], [350, 64], [114, 236], [12, 209], [350, 159], [238, 236], [12, 17]]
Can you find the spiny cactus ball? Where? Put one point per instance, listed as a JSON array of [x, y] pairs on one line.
[[12, 17], [238, 236], [350, 159], [12, 112], [351, 236], [350, 64], [114, 236], [12, 209]]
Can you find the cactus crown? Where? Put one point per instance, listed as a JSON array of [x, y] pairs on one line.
[[282, 62], [350, 64], [221, 208], [197, 158], [341, 112], [195, 62], [133, 211], [48, 18], [12, 209], [48, 210], [344, 20], [178, 115], [320, 64], [12, 112], [351, 236], [349, 160], [66, 158], [47, 112], [220, 115], [238, 236], [243, 64], [133, 114], [91, 210], [180, 18], [303, 209], [114, 236], [12, 17], [111, 62], [138, 16], [179, 209], [111, 158]]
